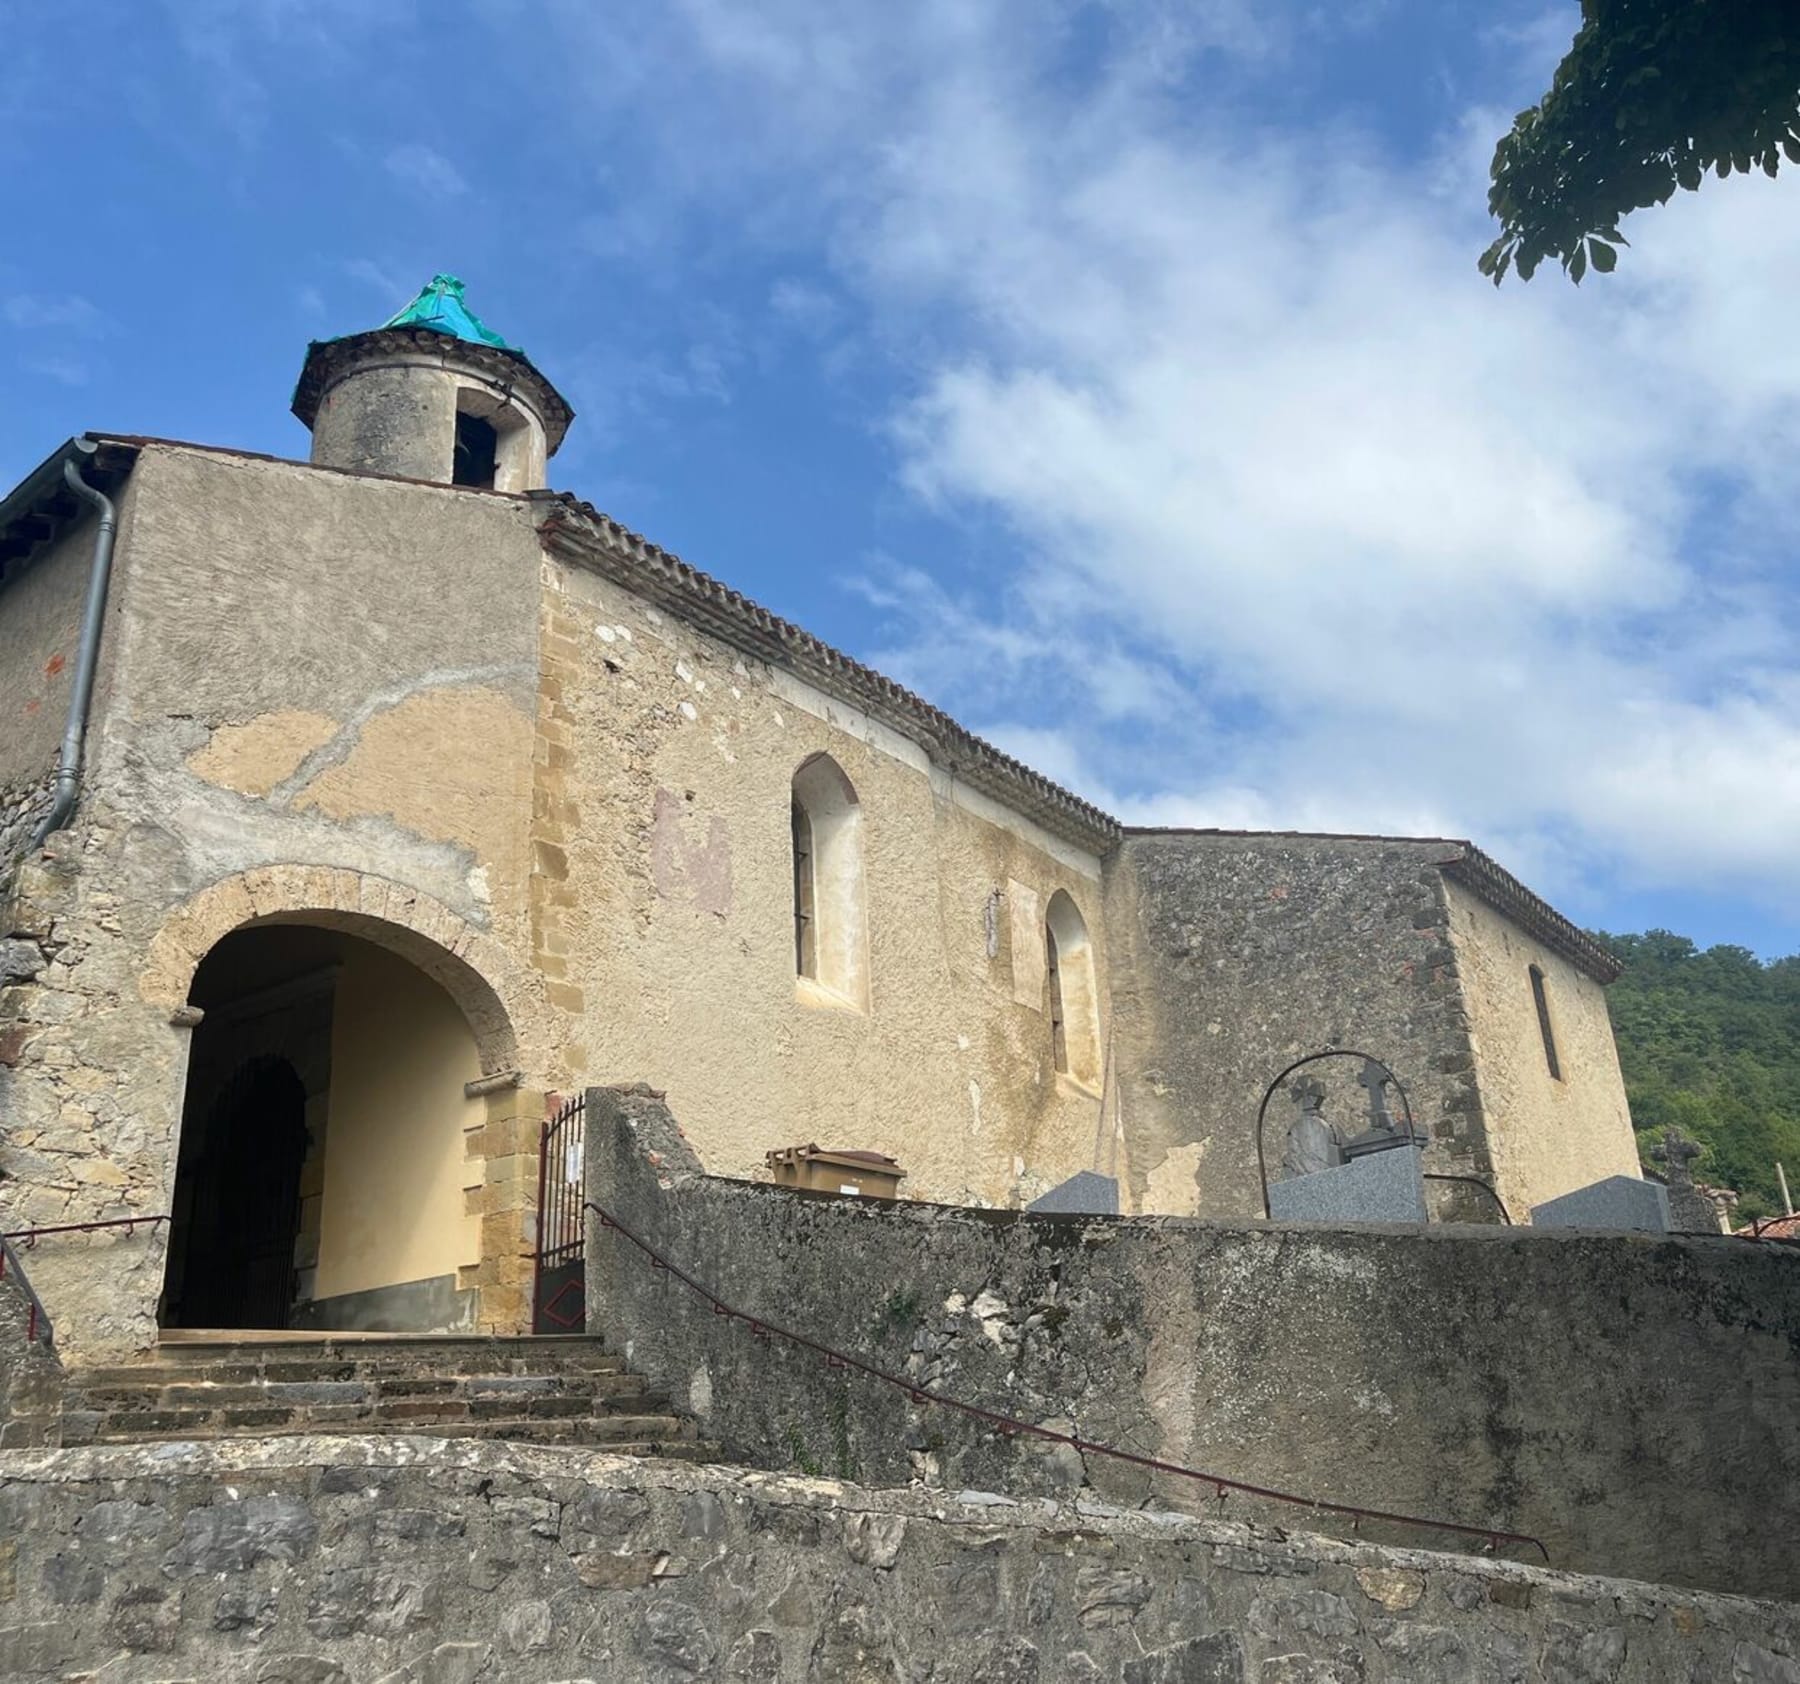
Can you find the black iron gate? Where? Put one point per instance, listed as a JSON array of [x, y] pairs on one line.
[[559, 1285]]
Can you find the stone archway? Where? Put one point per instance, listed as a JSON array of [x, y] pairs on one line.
[[502, 1003], [492, 1168]]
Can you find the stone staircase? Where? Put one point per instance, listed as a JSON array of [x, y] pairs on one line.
[[545, 1390]]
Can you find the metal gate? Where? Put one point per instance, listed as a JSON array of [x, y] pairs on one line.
[[559, 1285]]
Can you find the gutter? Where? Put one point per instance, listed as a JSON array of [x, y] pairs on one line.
[[93, 618]]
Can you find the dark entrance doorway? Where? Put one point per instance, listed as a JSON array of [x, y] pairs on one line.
[[237, 1202]]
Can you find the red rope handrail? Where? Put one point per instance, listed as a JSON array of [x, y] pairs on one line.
[[1009, 1427], [37, 1318], [31, 1236]]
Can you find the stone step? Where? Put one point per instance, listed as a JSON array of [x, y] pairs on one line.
[[661, 1430], [157, 1389], [625, 1434], [413, 1346], [469, 1366], [547, 1390], [324, 1362], [149, 1413]]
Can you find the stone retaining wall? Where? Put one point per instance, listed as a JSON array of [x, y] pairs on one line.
[[31, 1373], [1632, 1401], [419, 1561]]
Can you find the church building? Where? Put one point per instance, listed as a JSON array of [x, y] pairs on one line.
[[355, 811]]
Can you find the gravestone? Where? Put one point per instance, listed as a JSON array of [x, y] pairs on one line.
[[1621, 1203], [1083, 1194], [1378, 1187]]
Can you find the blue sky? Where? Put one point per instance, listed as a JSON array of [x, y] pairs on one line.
[[1115, 373]]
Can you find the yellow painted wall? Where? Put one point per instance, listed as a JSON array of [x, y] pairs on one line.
[[663, 917], [1547, 1137], [394, 1170]]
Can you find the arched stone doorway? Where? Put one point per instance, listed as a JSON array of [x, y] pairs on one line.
[[329, 1174]]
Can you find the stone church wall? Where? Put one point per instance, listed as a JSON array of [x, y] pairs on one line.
[[1634, 1403], [416, 1561], [1547, 1135], [317, 692], [40, 625], [1244, 953], [378, 706], [665, 916], [31, 1373]]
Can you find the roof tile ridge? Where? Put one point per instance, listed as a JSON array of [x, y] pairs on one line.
[[1481, 872], [808, 644]]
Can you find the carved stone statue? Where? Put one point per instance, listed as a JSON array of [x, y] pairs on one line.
[[1312, 1143]]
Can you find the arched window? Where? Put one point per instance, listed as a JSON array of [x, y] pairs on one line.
[[1074, 999], [830, 923]]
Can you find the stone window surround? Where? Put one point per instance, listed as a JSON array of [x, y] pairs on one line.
[[837, 907], [1074, 993], [512, 424]]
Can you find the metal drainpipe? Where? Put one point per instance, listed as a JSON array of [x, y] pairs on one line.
[[87, 659]]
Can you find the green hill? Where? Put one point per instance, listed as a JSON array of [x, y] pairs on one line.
[[1710, 1041]]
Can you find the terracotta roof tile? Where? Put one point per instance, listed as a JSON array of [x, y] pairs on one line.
[[580, 531]]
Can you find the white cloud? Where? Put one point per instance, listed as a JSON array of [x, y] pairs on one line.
[[65, 313], [805, 306], [65, 371], [381, 280], [1304, 523], [421, 169]]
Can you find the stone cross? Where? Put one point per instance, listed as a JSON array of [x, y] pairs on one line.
[[1690, 1210], [1375, 1079], [1678, 1153]]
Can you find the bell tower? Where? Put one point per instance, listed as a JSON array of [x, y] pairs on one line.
[[432, 394]]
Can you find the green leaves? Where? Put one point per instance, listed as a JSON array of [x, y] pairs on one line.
[[1651, 95], [1710, 1041]]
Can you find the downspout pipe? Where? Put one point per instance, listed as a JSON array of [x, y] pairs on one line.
[[87, 658]]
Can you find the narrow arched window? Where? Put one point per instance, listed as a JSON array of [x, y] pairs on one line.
[[830, 923], [1074, 997], [1541, 997], [806, 942]]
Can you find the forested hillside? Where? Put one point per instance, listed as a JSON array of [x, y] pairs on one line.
[[1710, 1040]]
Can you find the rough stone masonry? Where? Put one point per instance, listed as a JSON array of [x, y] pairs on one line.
[[419, 1561], [1632, 1401]]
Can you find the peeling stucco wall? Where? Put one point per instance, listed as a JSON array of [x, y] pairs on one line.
[[1244, 953], [417, 1561], [1548, 1136], [315, 683], [1568, 1386], [381, 704], [40, 623], [385, 706], [665, 896]]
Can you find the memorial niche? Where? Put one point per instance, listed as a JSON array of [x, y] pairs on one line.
[[1326, 1176]]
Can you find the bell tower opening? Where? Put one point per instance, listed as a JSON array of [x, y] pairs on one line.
[[477, 451]]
